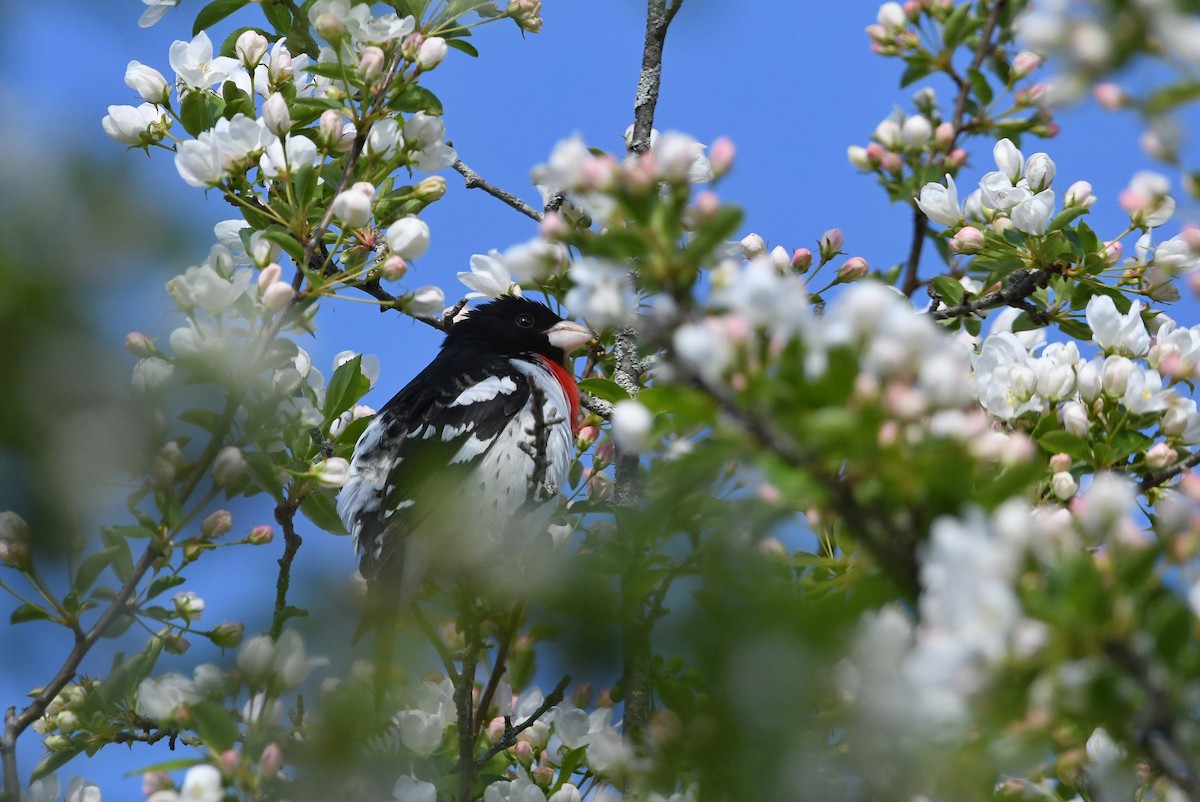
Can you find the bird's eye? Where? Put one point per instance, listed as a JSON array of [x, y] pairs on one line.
[[525, 321]]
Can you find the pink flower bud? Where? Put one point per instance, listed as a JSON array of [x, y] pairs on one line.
[[1112, 252], [411, 45], [271, 761], [1060, 462], [524, 753], [261, 535], [269, 275], [275, 115], [553, 227], [830, 243], [1161, 455], [968, 240], [586, 437], [1079, 194], [250, 47], [604, 454], [329, 27], [878, 34], [1109, 96], [216, 524], [721, 155], [330, 129], [875, 152], [802, 259], [229, 762], [599, 487], [432, 53], [140, 345], [1024, 63], [393, 268], [706, 204], [854, 268], [371, 65], [597, 173], [891, 162], [542, 774], [943, 135], [957, 157], [278, 295], [495, 729]]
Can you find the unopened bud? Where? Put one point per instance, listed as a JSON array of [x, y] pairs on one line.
[[278, 295], [372, 63], [859, 157], [329, 27], [943, 135], [430, 188], [412, 45], [1079, 194], [432, 53], [830, 244], [139, 345], [1060, 462], [753, 246], [261, 535], [393, 268], [250, 47], [802, 259], [276, 116], [228, 465], [1063, 485], [1024, 63], [228, 635], [855, 268], [1161, 455], [721, 156], [968, 239], [271, 761], [587, 436], [524, 753], [217, 524], [331, 472]]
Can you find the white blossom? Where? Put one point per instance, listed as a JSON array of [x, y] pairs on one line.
[[202, 783], [940, 203], [1116, 333], [410, 789], [1033, 214], [408, 237], [160, 698], [488, 277], [601, 292], [194, 64], [631, 423]]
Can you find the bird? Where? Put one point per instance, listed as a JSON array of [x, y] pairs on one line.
[[466, 458]]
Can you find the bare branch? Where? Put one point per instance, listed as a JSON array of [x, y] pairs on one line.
[[464, 689], [509, 737], [285, 515], [499, 667], [473, 180]]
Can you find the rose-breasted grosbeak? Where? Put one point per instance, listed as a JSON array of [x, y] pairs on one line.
[[450, 464]]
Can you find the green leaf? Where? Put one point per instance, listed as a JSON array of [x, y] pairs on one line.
[[713, 233], [29, 612], [206, 419], [214, 724], [956, 26], [319, 508], [1170, 96], [951, 290], [216, 11], [56, 760], [236, 101], [605, 389], [194, 112], [284, 239], [417, 98], [264, 473], [1076, 329], [163, 583], [92, 568], [465, 47], [979, 83], [278, 15], [1058, 441], [347, 385]]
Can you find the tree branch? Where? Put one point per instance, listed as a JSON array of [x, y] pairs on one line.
[[464, 690], [473, 180], [509, 737], [1156, 478], [920, 227], [1019, 285], [285, 515]]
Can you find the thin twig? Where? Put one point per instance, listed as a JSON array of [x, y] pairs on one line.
[[473, 180], [500, 666], [1160, 735], [432, 636], [920, 228], [509, 737], [285, 516]]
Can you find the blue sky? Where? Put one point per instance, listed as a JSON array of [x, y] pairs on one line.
[[792, 83]]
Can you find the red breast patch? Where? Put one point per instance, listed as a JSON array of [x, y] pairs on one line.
[[567, 382]]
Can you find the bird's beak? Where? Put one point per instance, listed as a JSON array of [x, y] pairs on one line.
[[568, 335]]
